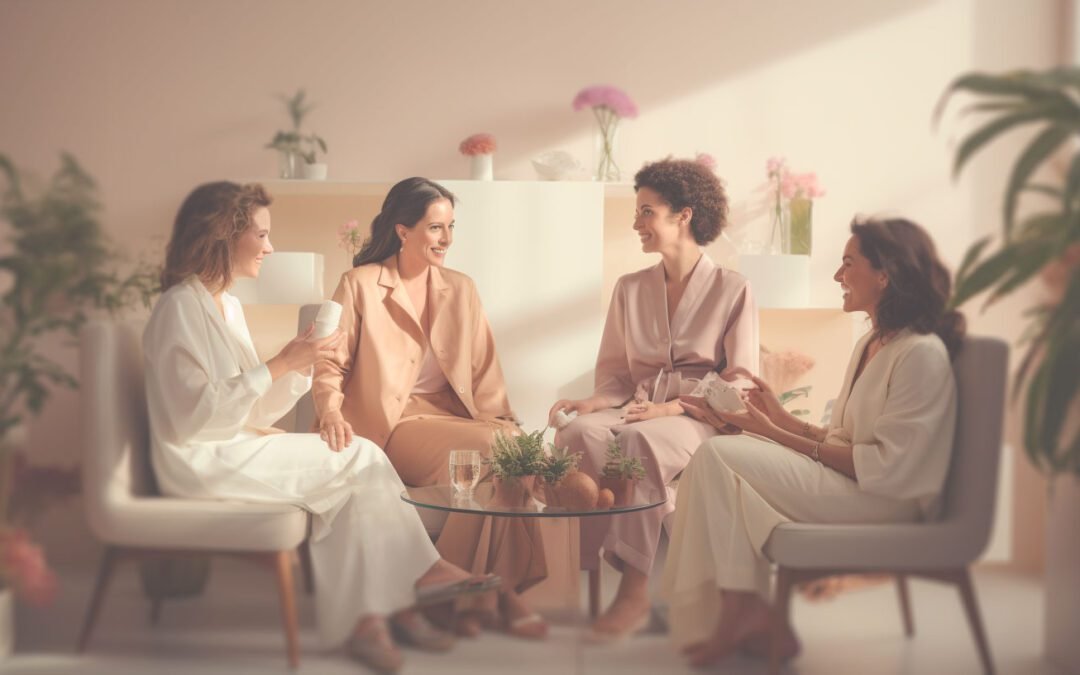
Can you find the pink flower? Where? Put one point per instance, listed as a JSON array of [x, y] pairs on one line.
[[706, 160], [606, 96], [22, 564], [783, 369], [774, 166], [350, 236], [478, 144]]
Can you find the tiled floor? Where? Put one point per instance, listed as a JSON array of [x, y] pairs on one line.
[[234, 628]]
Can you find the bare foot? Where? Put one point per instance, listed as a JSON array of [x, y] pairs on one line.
[[626, 614], [442, 572], [758, 645], [519, 619], [729, 635]]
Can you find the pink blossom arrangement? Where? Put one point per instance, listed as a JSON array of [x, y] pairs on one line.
[[791, 194], [478, 144], [350, 237], [23, 567], [783, 369], [706, 160], [609, 105]]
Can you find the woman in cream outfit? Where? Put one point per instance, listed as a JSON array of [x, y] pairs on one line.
[[883, 457], [211, 404], [418, 374], [683, 317]]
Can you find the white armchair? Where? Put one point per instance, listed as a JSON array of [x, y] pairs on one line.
[[123, 506], [942, 549]]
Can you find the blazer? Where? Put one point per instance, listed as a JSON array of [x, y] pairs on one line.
[[372, 374]]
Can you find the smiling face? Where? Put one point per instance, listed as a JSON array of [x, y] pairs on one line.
[[861, 284], [428, 240], [657, 227], [253, 245]]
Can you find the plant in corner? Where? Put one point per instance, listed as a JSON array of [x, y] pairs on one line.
[[1046, 244], [293, 145], [58, 269]]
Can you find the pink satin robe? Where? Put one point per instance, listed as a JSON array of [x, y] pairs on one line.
[[714, 327]]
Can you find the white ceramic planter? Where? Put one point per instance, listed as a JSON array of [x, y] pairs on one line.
[[481, 167], [315, 171]]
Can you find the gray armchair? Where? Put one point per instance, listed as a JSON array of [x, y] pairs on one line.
[[941, 550]]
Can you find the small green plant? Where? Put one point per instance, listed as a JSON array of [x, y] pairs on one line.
[[558, 463], [293, 141], [517, 456], [617, 465]]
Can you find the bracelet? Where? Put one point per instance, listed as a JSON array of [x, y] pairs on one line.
[[814, 454]]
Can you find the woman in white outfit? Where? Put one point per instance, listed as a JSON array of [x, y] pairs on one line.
[[212, 403], [883, 457]]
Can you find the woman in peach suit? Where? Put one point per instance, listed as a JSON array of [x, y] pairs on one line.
[[683, 317], [417, 373]]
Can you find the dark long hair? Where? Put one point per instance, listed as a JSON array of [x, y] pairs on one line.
[[919, 284], [406, 203], [207, 225]]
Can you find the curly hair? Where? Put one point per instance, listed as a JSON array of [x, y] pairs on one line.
[[209, 222], [919, 285], [685, 183], [405, 204]]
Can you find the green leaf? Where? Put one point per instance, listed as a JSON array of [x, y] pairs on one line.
[[1038, 150], [986, 274], [1026, 266], [991, 130], [973, 253]]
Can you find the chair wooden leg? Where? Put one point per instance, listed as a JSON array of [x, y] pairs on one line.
[[283, 563], [971, 608], [779, 617], [905, 604], [108, 562], [305, 567], [594, 593]]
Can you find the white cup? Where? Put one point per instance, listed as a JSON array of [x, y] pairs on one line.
[[327, 320]]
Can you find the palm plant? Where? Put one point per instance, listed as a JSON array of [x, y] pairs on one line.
[[1049, 372], [293, 141]]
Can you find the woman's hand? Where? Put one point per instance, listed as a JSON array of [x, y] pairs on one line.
[[764, 399], [646, 410], [751, 420], [335, 431], [699, 409], [581, 407], [302, 352]]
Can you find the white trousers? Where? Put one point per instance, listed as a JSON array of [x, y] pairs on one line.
[[734, 491]]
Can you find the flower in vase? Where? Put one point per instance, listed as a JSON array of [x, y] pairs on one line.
[[609, 105], [791, 198], [350, 237], [478, 144]]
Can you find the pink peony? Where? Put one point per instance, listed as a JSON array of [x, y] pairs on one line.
[[478, 144], [23, 566], [606, 96], [706, 160], [350, 236]]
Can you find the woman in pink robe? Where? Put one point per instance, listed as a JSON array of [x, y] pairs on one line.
[[667, 327]]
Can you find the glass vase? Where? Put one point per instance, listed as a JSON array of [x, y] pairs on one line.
[[289, 164], [605, 144], [800, 226]]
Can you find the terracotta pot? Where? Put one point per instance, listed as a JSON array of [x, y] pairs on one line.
[[622, 488], [514, 492]]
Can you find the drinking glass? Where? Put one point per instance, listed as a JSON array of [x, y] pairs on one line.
[[464, 470]]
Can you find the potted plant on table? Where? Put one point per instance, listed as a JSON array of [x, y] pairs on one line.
[[620, 473], [1044, 245], [299, 151], [515, 463], [556, 466]]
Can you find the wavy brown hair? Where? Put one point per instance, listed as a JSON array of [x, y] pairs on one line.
[[919, 283], [684, 183], [207, 226], [405, 204]]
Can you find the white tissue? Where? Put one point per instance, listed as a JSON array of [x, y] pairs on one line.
[[721, 396], [327, 320]]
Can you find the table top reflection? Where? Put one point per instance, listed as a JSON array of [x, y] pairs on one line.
[[483, 502]]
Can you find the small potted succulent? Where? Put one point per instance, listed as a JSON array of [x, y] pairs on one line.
[[619, 474], [515, 463], [299, 151], [557, 465]]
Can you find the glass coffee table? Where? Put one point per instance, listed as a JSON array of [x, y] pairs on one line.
[[482, 503]]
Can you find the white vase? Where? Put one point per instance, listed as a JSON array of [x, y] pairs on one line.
[[7, 623], [315, 171], [481, 167]]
